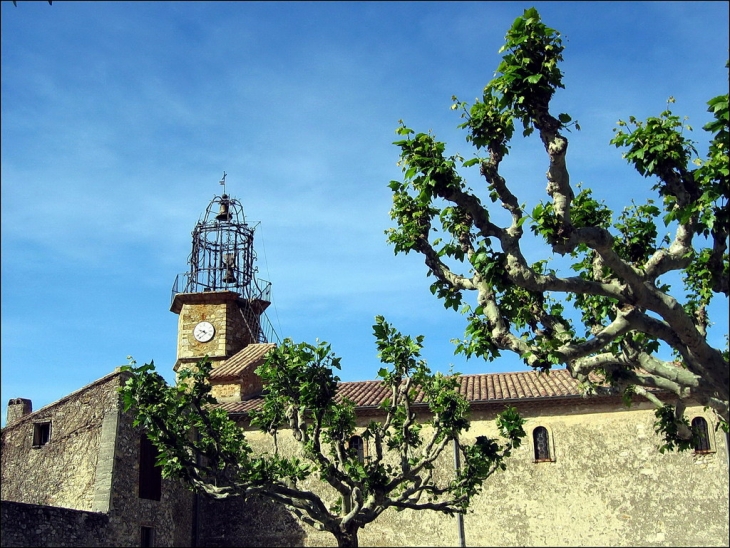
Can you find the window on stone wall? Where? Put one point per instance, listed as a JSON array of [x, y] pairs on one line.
[[701, 434], [357, 444], [41, 433], [150, 476], [147, 537], [541, 441]]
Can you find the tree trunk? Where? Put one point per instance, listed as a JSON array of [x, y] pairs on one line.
[[348, 538]]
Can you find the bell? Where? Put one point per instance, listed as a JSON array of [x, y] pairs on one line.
[[223, 213], [229, 259], [230, 277]]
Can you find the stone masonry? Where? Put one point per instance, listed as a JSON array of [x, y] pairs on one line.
[[606, 485], [85, 477]]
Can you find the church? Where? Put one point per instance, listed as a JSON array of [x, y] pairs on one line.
[[78, 473]]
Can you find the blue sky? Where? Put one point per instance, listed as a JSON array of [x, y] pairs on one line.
[[118, 120]]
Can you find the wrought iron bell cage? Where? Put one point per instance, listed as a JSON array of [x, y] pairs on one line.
[[223, 256]]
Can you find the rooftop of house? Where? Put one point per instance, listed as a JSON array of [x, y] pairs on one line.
[[488, 388], [485, 388], [249, 358]]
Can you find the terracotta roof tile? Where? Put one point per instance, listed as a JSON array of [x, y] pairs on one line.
[[250, 357], [485, 388], [242, 406]]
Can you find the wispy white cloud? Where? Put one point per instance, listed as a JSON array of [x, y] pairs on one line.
[[118, 119]]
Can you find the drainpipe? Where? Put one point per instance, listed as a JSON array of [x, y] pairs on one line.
[[196, 504], [459, 517]]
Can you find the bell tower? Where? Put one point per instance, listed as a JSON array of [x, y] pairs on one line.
[[220, 302]]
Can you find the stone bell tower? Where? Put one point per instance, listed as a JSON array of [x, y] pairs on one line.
[[219, 300]]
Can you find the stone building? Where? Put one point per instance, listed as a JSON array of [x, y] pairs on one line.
[[78, 473], [589, 474]]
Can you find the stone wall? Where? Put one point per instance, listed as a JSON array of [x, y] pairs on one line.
[[91, 462], [254, 522], [247, 384], [33, 525], [607, 484], [226, 391], [61, 472], [250, 382], [171, 516], [224, 310]]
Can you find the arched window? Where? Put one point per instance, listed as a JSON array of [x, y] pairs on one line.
[[541, 440], [356, 443], [701, 435]]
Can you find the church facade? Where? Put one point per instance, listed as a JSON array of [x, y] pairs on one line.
[[589, 473], [78, 473]]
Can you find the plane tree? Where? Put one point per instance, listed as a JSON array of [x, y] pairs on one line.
[[199, 444], [623, 308]]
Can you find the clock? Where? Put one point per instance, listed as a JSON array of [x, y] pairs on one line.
[[203, 332]]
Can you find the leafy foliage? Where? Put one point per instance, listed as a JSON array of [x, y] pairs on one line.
[[613, 314], [668, 425], [199, 444]]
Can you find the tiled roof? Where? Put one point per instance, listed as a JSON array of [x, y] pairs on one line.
[[485, 388], [249, 358]]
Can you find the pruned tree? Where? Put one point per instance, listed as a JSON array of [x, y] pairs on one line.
[[623, 306], [199, 444]]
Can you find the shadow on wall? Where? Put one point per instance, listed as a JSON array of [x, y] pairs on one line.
[[256, 521]]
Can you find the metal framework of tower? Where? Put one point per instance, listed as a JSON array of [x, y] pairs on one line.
[[222, 259]]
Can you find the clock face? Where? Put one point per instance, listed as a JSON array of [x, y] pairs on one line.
[[203, 332]]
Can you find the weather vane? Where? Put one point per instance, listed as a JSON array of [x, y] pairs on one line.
[[223, 182]]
